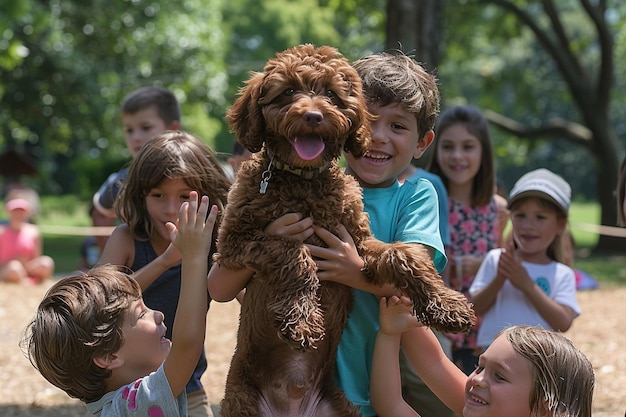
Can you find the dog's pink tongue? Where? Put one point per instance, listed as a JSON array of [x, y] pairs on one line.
[[309, 147]]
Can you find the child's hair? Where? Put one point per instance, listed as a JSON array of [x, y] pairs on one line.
[[562, 375], [163, 100], [621, 194], [397, 78], [80, 318], [475, 122], [170, 155]]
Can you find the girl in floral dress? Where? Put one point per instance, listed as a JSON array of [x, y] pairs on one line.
[[463, 159]]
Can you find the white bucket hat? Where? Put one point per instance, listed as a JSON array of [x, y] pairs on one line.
[[544, 184]]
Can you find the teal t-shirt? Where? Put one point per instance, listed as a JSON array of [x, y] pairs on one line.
[[407, 213], [442, 198]]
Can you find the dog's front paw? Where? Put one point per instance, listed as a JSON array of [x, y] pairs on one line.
[[440, 307], [410, 269]]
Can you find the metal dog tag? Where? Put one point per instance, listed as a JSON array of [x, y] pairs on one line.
[[263, 186], [265, 179]]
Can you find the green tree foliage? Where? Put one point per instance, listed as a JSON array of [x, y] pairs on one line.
[[67, 64], [257, 30]]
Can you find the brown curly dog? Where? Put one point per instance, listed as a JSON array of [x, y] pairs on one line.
[[297, 116]]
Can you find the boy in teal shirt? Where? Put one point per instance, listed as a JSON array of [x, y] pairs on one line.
[[405, 99]]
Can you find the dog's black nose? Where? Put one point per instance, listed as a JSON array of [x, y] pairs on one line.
[[313, 117]]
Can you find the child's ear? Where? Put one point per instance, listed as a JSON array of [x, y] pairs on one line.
[[175, 125], [108, 361], [423, 143]]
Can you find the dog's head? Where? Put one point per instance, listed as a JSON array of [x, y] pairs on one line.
[[306, 106]]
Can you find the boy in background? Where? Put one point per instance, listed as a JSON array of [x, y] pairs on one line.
[[145, 112]]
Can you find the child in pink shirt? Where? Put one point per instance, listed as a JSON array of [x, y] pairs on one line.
[[21, 259]]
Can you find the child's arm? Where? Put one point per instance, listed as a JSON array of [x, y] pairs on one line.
[[225, 284], [340, 262], [120, 249], [396, 316], [427, 359], [154, 269], [485, 287], [117, 250], [193, 237], [104, 199]]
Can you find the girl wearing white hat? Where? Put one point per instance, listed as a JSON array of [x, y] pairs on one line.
[[527, 282]]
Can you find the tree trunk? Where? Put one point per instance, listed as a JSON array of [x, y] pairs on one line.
[[414, 27], [605, 155]]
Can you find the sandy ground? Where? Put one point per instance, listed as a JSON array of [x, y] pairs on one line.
[[599, 333]]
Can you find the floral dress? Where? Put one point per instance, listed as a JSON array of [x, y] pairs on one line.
[[473, 231]]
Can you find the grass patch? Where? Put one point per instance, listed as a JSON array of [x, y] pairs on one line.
[[585, 213], [67, 210], [65, 250], [605, 269]]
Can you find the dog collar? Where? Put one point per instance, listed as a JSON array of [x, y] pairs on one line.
[[304, 173]]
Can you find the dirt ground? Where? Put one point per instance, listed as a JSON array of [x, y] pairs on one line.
[[599, 332]]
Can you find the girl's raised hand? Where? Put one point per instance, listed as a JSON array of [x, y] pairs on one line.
[[192, 235]]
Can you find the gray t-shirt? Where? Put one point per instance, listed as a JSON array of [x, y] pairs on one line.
[[148, 396], [104, 198]]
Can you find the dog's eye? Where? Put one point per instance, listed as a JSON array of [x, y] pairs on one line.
[[333, 97], [289, 92]]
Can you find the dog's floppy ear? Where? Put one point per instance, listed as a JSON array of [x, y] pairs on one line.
[[245, 117], [358, 140], [359, 136]]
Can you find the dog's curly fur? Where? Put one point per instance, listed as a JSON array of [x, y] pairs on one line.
[[290, 322]]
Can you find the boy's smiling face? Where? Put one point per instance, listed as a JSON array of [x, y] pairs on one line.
[[145, 346], [395, 142]]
